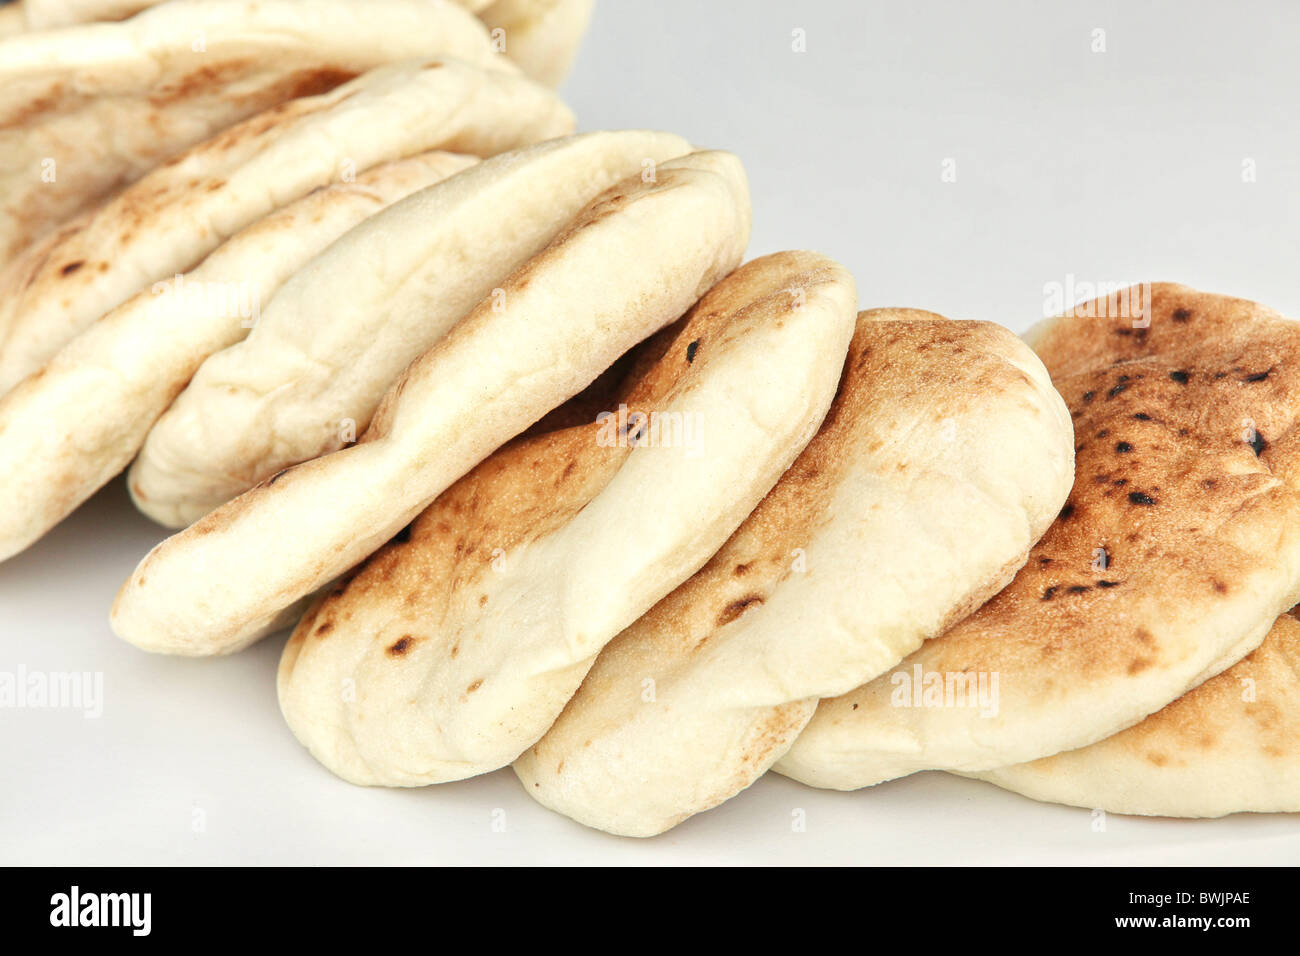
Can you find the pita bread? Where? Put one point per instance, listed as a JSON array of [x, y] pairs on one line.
[[169, 220], [68, 429], [87, 109], [631, 262], [1178, 548], [310, 374], [463, 640], [542, 36], [945, 456], [1230, 745]]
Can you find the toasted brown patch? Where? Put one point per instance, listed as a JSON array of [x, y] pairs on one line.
[[208, 76], [1257, 699], [737, 608]]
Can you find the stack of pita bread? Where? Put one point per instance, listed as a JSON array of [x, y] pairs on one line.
[[1085, 607], [542, 474], [246, 139]]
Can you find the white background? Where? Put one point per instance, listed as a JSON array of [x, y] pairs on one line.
[[1120, 165]]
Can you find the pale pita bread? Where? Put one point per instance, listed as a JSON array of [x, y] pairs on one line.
[[168, 221], [542, 36], [87, 109], [945, 456], [1231, 745], [68, 429], [1177, 550], [462, 641], [630, 263], [309, 376]]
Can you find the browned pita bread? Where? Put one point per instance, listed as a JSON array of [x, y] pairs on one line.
[[1177, 550]]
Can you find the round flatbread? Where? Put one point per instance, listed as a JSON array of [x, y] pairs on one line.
[[631, 262], [1178, 548], [1231, 745], [462, 641], [945, 456], [68, 429], [308, 377]]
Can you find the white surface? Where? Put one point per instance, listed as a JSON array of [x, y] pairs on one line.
[[1108, 166]]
